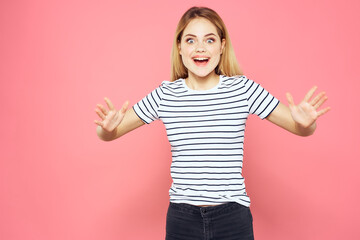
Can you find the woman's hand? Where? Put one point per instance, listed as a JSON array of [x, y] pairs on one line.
[[111, 118], [305, 114]]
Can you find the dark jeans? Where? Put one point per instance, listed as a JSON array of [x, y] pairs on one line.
[[229, 221]]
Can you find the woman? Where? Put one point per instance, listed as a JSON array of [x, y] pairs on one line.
[[204, 109]]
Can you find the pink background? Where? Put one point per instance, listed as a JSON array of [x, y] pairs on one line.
[[58, 59]]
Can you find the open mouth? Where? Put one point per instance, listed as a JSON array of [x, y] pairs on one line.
[[201, 61]]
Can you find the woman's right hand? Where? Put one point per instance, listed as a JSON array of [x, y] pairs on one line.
[[110, 118]]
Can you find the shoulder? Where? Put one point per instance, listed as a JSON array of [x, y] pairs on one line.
[[173, 87], [173, 84], [235, 81]]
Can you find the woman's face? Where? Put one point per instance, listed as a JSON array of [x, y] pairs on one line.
[[200, 47]]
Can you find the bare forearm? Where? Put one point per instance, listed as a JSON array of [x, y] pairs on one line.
[[281, 116]]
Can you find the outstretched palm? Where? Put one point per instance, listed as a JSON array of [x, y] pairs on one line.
[[111, 118], [305, 114]]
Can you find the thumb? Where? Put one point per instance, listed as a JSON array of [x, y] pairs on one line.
[[124, 107], [290, 100]]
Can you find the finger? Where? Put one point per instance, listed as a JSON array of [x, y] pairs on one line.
[[124, 107], [290, 100], [319, 103], [102, 108], [315, 100], [310, 93], [100, 114], [323, 111], [109, 103], [99, 123]]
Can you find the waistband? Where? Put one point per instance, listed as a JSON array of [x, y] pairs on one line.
[[218, 209]]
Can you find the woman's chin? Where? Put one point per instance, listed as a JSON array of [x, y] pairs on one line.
[[201, 74]]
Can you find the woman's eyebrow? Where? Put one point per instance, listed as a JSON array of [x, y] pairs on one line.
[[192, 35]]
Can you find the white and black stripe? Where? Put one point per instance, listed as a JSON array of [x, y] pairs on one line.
[[206, 133]]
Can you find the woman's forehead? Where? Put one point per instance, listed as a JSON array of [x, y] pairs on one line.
[[200, 27]]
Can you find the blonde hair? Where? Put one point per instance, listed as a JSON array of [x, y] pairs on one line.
[[228, 64]]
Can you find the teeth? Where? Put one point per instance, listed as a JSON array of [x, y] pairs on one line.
[[200, 59]]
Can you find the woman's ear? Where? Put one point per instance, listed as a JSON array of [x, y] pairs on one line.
[[223, 42], [179, 47]]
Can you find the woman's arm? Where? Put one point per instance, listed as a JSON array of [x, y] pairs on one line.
[[115, 123], [299, 119]]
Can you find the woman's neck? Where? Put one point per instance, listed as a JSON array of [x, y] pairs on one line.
[[202, 83]]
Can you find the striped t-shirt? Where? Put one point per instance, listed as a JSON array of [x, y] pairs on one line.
[[205, 129]]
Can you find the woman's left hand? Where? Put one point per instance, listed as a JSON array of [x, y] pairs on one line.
[[306, 113]]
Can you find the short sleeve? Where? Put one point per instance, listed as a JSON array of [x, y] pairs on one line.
[[147, 108], [260, 101]]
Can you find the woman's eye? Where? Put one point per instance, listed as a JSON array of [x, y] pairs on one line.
[[210, 40], [190, 40]]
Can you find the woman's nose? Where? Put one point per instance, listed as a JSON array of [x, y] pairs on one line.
[[200, 47]]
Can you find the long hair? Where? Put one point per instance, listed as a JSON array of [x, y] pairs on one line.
[[228, 64]]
